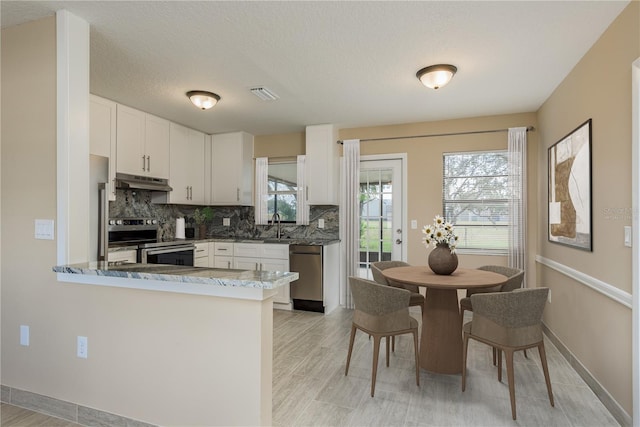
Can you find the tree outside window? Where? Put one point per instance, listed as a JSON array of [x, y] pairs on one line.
[[476, 198], [282, 196]]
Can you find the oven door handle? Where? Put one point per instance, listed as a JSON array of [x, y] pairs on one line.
[[168, 250]]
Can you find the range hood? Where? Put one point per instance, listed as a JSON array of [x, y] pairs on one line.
[[142, 183]]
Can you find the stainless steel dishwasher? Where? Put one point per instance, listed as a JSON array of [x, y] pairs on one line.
[[306, 292]]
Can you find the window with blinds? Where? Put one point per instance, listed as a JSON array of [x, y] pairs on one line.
[[475, 198]]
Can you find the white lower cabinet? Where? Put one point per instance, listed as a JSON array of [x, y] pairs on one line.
[[268, 257], [283, 296], [225, 262], [201, 255], [221, 255], [246, 263]]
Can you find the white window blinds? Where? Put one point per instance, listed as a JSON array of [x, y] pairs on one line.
[[475, 198]]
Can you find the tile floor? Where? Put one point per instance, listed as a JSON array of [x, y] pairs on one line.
[[13, 416], [310, 388]]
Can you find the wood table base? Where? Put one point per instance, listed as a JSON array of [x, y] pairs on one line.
[[441, 343]]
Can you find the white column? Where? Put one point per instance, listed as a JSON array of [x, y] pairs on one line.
[[72, 42]]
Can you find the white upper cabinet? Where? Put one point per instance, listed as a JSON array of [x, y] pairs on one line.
[[232, 169], [186, 166], [322, 165], [143, 143], [102, 135], [156, 144]]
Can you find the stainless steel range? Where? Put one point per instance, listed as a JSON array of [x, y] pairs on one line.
[[143, 233]]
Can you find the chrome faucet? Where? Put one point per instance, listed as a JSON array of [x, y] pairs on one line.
[[274, 218]]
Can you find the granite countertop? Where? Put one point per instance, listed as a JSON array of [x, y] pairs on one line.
[[182, 274]]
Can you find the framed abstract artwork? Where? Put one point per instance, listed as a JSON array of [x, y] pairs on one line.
[[569, 162]]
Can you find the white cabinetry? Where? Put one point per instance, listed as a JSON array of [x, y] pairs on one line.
[[123, 256], [221, 255], [331, 277], [268, 257], [322, 165], [186, 166], [102, 135], [232, 169], [142, 143], [201, 255]]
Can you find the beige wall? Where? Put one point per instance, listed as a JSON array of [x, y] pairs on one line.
[[596, 329], [163, 358], [424, 164], [286, 145]]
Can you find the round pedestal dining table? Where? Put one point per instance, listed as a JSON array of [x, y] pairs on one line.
[[441, 339]]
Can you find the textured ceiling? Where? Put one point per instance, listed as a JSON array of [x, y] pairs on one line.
[[348, 63]]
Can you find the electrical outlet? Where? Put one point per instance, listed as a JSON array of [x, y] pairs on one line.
[[226, 222], [549, 297], [24, 335], [321, 223], [83, 347]]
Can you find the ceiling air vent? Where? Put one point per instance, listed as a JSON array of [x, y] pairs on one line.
[[264, 93]]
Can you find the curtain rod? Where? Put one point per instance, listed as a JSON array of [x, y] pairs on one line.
[[529, 129]]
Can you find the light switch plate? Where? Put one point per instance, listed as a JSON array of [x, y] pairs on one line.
[[44, 229], [24, 335], [82, 350], [226, 222], [414, 224], [321, 223], [627, 236]]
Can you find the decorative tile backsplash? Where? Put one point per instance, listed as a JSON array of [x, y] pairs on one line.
[[138, 203]]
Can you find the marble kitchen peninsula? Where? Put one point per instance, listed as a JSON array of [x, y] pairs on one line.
[[243, 284], [209, 331]]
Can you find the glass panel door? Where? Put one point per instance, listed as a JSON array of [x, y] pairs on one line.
[[380, 213]]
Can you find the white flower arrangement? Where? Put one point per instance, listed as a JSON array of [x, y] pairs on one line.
[[440, 232]]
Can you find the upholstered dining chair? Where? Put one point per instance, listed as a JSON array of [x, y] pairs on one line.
[[514, 281], [381, 311], [417, 299], [508, 321]]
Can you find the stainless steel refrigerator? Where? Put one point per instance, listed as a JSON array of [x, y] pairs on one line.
[[99, 200]]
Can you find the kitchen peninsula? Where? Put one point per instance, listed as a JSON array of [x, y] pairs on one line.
[[208, 331], [179, 278]]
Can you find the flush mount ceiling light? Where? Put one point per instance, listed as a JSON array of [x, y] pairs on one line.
[[202, 99], [436, 76]]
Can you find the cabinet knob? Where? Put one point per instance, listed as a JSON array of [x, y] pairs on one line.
[[143, 163]]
